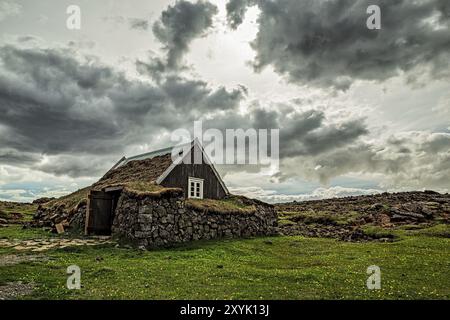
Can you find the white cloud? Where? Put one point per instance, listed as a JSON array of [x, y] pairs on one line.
[[25, 195], [405, 160], [443, 107], [14, 195], [9, 9], [25, 184], [273, 196]]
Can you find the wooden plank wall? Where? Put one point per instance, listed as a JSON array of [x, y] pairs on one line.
[[178, 178]]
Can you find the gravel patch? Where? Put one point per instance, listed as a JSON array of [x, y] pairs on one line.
[[13, 290]]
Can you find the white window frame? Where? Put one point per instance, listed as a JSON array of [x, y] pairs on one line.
[[197, 182]]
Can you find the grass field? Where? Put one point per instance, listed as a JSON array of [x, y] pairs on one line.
[[415, 267], [26, 210]]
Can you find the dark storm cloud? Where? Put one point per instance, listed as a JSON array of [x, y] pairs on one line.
[[413, 160], [302, 135], [444, 8], [54, 104], [48, 100], [81, 114], [327, 43], [17, 158], [180, 24], [139, 24], [306, 133], [131, 22], [329, 137], [236, 11], [76, 165], [194, 95]]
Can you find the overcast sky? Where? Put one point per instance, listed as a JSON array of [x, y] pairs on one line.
[[359, 111]]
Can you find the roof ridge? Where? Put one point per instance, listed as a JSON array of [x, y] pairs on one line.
[[151, 154]]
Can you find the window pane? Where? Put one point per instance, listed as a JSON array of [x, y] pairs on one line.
[[195, 188]]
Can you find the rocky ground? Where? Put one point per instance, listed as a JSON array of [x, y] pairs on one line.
[[349, 218], [15, 213], [38, 245], [12, 290], [12, 259], [361, 218]]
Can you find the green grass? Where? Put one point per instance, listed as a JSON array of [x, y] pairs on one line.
[[26, 209], [315, 217], [377, 232], [416, 267], [16, 232], [142, 186], [231, 204], [69, 201], [439, 230]]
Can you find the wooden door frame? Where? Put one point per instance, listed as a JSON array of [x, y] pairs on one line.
[[112, 191]]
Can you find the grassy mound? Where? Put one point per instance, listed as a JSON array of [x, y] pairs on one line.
[[230, 204], [16, 210], [70, 201]]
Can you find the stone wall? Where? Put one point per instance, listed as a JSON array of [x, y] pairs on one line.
[[160, 221]]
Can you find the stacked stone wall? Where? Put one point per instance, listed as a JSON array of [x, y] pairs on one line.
[[161, 221]]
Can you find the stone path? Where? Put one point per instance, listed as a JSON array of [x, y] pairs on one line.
[[14, 289], [39, 245]]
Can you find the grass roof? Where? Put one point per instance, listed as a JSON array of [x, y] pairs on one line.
[[138, 173], [69, 201], [138, 179], [230, 204]]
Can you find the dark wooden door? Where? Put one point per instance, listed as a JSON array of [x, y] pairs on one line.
[[100, 213]]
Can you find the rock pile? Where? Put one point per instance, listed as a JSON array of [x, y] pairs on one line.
[[42, 200], [10, 218], [68, 218]]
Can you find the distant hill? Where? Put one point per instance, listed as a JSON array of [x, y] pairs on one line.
[[15, 212], [365, 217]]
